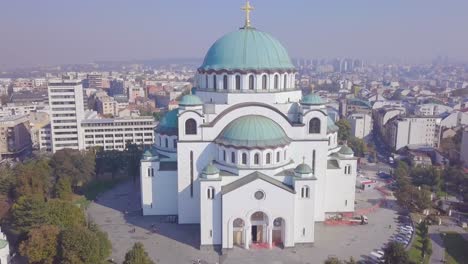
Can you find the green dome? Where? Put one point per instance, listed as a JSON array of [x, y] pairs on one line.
[[247, 49], [312, 99], [3, 243], [210, 169], [169, 123], [147, 154], [190, 100], [253, 131], [303, 169], [331, 126], [345, 150]]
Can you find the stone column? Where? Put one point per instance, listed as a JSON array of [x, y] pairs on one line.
[[270, 236], [247, 236]]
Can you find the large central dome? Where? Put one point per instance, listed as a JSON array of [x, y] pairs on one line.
[[253, 131], [247, 49]]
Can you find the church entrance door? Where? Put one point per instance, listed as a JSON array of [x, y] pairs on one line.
[[257, 234]]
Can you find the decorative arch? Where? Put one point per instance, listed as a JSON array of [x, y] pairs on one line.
[[225, 82], [238, 82], [244, 158], [251, 82], [264, 82], [314, 126], [276, 82], [190, 127], [256, 159]]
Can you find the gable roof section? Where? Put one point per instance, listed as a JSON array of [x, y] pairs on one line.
[[252, 177]]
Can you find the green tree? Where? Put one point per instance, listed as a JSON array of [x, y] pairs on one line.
[[33, 179], [28, 213], [133, 155], [63, 189], [64, 214], [7, 180], [358, 146], [344, 132], [41, 245], [426, 247], [137, 255], [78, 166], [79, 245], [395, 253], [105, 246]]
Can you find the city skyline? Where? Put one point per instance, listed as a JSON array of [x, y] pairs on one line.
[[47, 32]]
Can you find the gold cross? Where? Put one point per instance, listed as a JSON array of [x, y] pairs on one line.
[[247, 8]]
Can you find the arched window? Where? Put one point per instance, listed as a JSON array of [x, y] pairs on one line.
[[175, 143], [233, 157], [149, 172], [215, 85], [278, 157], [224, 155], [210, 193], [268, 158], [225, 82], [264, 82], [238, 82], [251, 82], [285, 81], [190, 127], [206, 82], [276, 81], [166, 143], [347, 169], [305, 192], [256, 159], [314, 126], [244, 158]]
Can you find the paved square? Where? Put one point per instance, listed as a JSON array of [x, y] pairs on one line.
[[117, 212]]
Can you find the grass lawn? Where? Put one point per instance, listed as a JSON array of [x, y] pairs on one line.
[[456, 248], [415, 250]]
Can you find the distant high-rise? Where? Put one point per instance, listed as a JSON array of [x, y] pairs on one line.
[[67, 112]]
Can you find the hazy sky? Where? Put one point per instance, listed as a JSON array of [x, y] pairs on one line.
[[78, 31]]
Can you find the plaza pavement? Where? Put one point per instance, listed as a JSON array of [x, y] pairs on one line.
[[118, 213]]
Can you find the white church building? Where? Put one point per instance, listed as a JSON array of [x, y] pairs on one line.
[[247, 156]]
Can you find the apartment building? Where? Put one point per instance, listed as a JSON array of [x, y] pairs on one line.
[[107, 106], [413, 130], [15, 136], [66, 113], [115, 133], [361, 124], [432, 109]]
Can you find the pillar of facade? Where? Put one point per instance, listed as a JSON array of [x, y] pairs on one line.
[[270, 236], [247, 237]]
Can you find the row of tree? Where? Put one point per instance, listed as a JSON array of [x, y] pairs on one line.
[[408, 195], [356, 144], [49, 227]]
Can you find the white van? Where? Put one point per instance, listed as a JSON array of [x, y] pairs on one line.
[[377, 257]]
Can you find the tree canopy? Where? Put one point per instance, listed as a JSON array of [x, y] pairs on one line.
[[80, 245], [41, 245], [344, 132], [395, 253], [137, 255]]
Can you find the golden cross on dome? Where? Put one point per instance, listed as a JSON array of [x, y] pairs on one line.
[[247, 8]]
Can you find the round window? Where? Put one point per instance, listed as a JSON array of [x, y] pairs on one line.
[[259, 195]]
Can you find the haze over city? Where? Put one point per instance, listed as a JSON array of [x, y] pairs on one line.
[[57, 32]]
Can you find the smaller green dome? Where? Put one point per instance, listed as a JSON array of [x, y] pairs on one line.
[[331, 126], [3, 243], [345, 150], [147, 154], [210, 169], [169, 123], [253, 131], [312, 99], [190, 100], [303, 169]]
